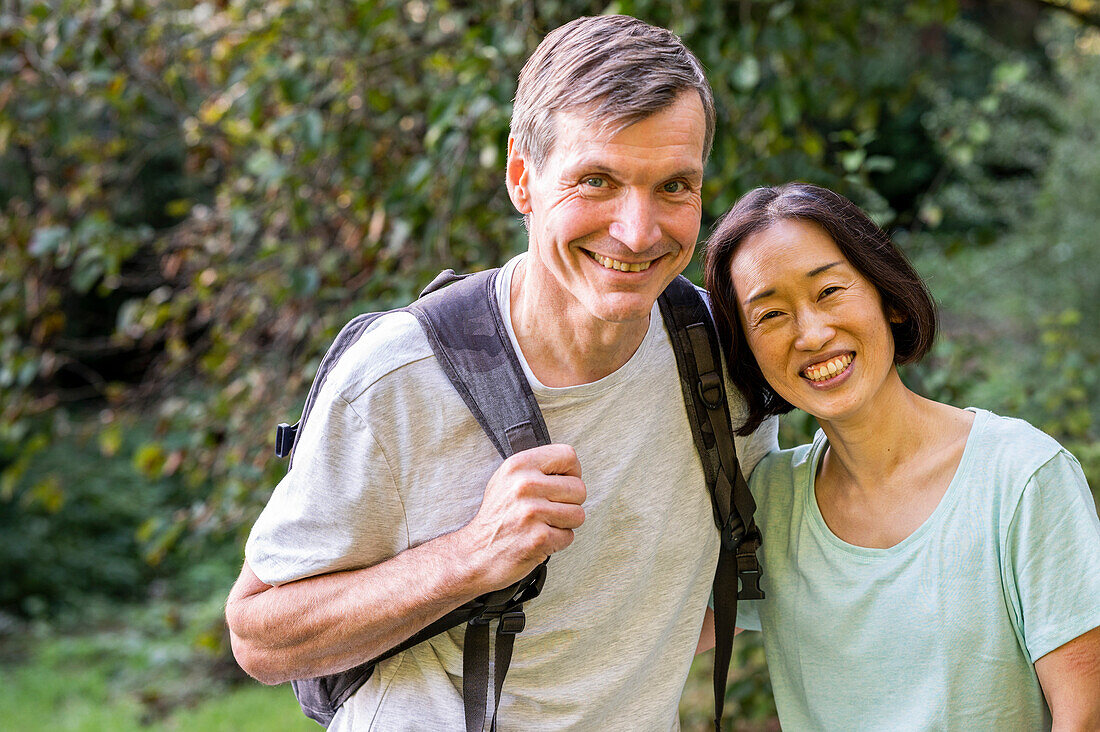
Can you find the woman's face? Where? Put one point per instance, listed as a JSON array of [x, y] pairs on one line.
[[814, 323]]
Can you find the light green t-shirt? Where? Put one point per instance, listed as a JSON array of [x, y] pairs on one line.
[[940, 631]]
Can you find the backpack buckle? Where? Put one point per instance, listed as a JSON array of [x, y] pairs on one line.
[[710, 389], [733, 533], [749, 584], [512, 622], [748, 568], [284, 438]]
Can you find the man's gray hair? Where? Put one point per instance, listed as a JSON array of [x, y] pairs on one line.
[[615, 69]]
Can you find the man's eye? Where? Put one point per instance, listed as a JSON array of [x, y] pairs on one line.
[[675, 186], [595, 182]]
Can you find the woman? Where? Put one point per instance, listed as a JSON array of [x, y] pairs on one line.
[[926, 567]]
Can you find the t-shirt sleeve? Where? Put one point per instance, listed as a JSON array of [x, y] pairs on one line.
[[337, 508], [1052, 568], [751, 449], [771, 471]]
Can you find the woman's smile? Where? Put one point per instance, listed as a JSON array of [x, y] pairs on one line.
[[830, 371]]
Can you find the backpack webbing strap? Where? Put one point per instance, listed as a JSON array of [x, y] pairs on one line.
[[466, 331], [475, 664], [698, 359]]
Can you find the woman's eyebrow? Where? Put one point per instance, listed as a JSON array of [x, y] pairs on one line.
[[812, 273], [815, 272]]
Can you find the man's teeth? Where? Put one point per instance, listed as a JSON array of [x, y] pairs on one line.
[[828, 369], [620, 266]]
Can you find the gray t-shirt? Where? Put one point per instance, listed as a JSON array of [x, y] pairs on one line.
[[391, 457]]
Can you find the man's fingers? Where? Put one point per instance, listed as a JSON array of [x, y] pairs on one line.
[[563, 515], [557, 539], [564, 489], [555, 459]]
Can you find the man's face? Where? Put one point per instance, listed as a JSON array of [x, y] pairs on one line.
[[613, 217]]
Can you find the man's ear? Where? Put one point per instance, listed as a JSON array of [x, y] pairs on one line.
[[518, 178]]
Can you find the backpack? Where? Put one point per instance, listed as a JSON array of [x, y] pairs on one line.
[[461, 318]]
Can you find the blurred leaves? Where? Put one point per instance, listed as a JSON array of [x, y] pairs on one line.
[[195, 196]]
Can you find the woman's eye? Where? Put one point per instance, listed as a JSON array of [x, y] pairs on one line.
[[829, 290], [674, 186], [770, 315]]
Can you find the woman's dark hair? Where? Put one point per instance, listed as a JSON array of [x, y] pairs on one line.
[[905, 298]]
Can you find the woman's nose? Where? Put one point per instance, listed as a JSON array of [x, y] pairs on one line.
[[814, 331]]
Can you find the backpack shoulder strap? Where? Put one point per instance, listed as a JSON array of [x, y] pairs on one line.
[[698, 358], [286, 435], [462, 321], [465, 328]]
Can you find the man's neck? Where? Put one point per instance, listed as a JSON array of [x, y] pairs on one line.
[[563, 343]]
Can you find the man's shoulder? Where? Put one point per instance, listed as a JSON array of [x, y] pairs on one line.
[[391, 343]]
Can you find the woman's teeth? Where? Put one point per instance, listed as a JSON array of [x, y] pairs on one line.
[[610, 263], [827, 369]]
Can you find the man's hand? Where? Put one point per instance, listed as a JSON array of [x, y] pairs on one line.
[[530, 508], [331, 622]]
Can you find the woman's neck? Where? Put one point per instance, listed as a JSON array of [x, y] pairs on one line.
[[885, 472], [874, 444]]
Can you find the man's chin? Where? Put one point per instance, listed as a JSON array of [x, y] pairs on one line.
[[622, 309]]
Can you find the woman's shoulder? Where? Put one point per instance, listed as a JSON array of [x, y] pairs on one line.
[[1012, 442], [1007, 455], [782, 470]]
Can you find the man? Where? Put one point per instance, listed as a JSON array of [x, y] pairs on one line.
[[397, 509]]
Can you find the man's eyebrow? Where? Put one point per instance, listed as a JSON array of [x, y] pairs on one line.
[[812, 273], [595, 166], [689, 173], [592, 166]]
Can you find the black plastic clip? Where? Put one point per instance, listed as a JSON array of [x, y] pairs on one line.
[[512, 622], [749, 580], [284, 438], [733, 533]]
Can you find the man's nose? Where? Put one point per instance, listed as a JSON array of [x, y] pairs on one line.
[[814, 330], [635, 223]]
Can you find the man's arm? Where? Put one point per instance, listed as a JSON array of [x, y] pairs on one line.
[[1070, 677], [332, 622]]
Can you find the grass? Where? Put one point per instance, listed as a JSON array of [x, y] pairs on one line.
[[153, 668], [42, 695]]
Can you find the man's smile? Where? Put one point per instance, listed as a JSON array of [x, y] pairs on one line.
[[609, 263]]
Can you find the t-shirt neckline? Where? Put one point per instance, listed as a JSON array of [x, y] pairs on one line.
[[621, 374], [950, 496]]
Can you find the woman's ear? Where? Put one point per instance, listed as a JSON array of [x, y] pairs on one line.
[[894, 316]]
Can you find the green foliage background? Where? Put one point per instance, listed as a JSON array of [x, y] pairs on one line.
[[194, 197]]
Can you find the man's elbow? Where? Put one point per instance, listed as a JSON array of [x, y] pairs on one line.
[[254, 659], [256, 662]]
